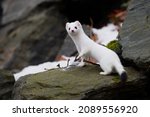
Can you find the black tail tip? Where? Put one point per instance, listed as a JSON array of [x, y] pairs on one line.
[[124, 77]]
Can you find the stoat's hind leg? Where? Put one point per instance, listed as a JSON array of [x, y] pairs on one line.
[[106, 69]]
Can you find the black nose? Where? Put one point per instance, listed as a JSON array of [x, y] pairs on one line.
[[72, 30]]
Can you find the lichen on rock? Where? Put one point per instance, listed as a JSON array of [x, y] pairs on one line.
[[115, 46]]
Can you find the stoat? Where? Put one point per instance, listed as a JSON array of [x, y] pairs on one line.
[[106, 58]]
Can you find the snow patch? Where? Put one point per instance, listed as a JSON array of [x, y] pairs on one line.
[[106, 34], [46, 66]]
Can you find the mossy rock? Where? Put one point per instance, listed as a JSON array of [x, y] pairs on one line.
[[115, 46], [79, 83]]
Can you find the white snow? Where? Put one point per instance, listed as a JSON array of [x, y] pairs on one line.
[[45, 66], [106, 34]]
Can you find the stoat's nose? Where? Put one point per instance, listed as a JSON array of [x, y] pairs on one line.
[[72, 31]]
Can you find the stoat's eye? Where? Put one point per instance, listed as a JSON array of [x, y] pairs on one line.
[[75, 27], [69, 28]]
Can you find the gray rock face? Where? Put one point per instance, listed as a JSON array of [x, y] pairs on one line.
[[34, 39], [80, 83], [135, 34], [6, 85], [16, 9]]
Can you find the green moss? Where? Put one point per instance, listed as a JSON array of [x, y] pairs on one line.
[[115, 46], [116, 79]]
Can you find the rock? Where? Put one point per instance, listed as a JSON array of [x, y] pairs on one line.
[[68, 48], [18, 9], [135, 34], [33, 40], [6, 84], [80, 83]]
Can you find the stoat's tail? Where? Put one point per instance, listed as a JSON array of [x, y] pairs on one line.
[[123, 76], [120, 70]]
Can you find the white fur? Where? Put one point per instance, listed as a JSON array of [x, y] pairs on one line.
[[107, 59]]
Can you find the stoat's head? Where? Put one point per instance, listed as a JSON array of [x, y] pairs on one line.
[[73, 28]]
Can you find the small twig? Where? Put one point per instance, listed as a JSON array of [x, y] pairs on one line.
[[76, 58], [68, 62], [91, 62], [86, 61], [91, 21]]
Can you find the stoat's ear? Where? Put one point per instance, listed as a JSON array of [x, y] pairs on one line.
[[78, 23], [67, 24]]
